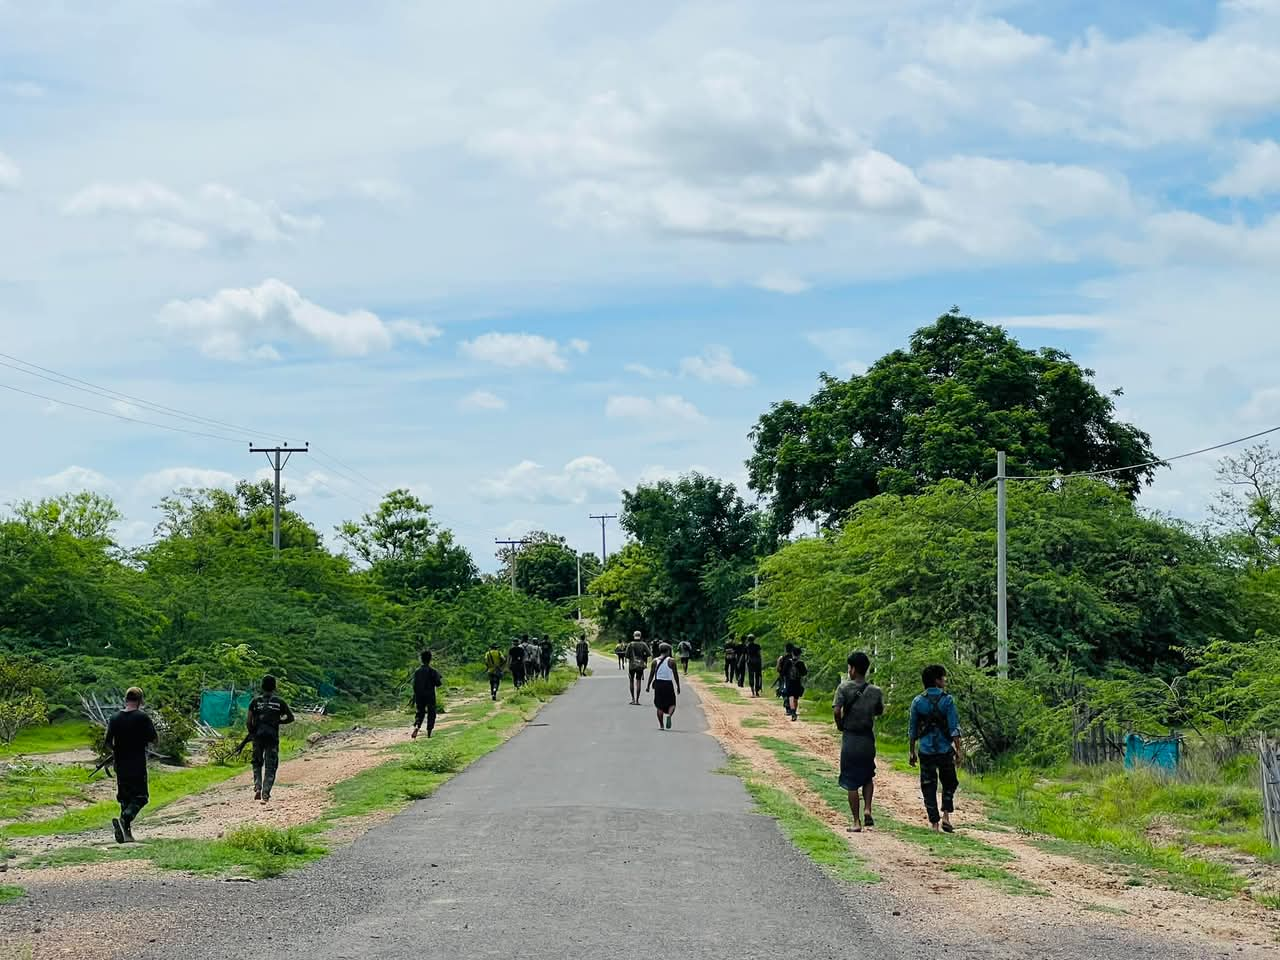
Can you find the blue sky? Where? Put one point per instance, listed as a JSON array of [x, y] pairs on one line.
[[519, 255]]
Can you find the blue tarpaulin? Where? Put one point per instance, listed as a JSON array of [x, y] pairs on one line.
[[1163, 753]]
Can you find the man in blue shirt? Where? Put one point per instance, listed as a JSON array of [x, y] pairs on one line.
[[934, 732]]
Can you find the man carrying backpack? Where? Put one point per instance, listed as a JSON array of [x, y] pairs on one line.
[[267, 714], [494, 661], [934, 734], [856, 706], [792, 667], [638, 654], [686, 651]]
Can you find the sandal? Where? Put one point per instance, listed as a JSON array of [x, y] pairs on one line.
[[868, 821], [948, 828]]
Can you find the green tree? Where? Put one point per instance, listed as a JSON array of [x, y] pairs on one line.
[[939, 409], [406, 551], [23, 682], [1247, 508], [547, 567], [84, 515]]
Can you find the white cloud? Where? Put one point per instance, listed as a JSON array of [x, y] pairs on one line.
[[74, 479], [846, 347], [577, 482], [716, 365], [643, 370], [10, 173], [520, 350], [982, 44], [655, 472], [659, 410], [214, 218], [1049, 321], [481, 400], [380, 190], [246, 323], [1263, 406], [1256, 172], [780, 281], [579, 346], [165, 481]]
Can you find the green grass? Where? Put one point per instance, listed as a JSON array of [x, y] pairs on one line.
[[165, 786], [754, 722], [50, 738], [727, 693], [969, 856], [27, 786], [811, 836], [80, 856], [8, 892], [1103, 908], [1269, 900], [1103, 815]]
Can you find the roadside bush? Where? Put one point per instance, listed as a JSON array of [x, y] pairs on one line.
[[269, 841], [435, 758], [223, 751], [174, 732]]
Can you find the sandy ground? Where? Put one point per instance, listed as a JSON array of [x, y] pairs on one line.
[[1080, 893]]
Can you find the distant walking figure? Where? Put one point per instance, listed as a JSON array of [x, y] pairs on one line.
[[515, 660], [637, 659], [546, 651], [267, 714], [129, 733], [664, 681], [425, 680], [494, 661], [730, 660], [934, 735], [584, 655], [754, 657], [856, 706], [686, 651], [620, 651]]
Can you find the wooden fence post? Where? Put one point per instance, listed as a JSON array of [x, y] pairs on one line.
[[1269, 767]]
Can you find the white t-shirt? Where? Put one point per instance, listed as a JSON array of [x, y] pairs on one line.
[[665, 671]]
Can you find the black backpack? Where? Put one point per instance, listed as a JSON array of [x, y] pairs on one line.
[[935, 720]]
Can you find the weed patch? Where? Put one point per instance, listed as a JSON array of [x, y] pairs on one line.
[[9, 892]]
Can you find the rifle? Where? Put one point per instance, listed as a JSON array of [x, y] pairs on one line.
[[104, 765], [244, 742]]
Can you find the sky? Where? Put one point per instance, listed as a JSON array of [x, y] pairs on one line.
[[518, 255]]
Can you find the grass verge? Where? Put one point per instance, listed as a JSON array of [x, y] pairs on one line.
[[50, 738], [9, 892], [959, 854], [811, 836]]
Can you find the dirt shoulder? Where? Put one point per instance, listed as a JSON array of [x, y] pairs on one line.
[[1071, 892]]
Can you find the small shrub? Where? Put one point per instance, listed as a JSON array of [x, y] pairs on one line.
[[268, 841], [435, 758], [174, 731], [224, 751]]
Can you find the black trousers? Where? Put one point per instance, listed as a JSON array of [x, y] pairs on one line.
[[266, 760], [756, 672], [495, 681], [684, 663], [935, 767], [133, 796], [517, 675], [429, 711], [740, 672]]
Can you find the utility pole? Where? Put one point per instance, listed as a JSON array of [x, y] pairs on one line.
[[579, 557], [603, 518], [1002, 584], [515, 546], [273, 457]]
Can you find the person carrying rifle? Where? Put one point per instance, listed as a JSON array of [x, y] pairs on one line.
[[267, 714], [494, 661], [425, 681], [129, 733]]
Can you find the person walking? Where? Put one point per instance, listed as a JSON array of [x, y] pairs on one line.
[[583, 653], [740, 664], [545, 653], [856, 705], [754, 657], [129, 733], [532, 659], [620, 651], [933, 732], [664, 681], [730, 659], [638, 654], [515, 660], [494, 661], [267, 714], [686, 651], [425, 681]]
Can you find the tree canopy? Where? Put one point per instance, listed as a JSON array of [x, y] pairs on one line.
[[940, 409]]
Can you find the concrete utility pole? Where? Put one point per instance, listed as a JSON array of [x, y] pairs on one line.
[[515, 546], [1002, 584], [273, 457], [579, 559], [603, 518]]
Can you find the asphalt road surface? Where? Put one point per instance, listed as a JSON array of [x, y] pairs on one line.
[[591, 834]]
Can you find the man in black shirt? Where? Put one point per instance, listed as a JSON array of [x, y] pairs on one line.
[[267, 713], [515, 660], [547, 650], [754, 657], [583, 652], [129, 733], [425, 680]]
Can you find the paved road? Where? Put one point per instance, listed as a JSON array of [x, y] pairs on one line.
[[590, 835], [593, 834]]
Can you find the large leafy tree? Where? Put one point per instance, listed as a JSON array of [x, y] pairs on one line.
[[1092, 582], [406, 551], [961, 391], [547, 567], [1247, 509], [697, 541]]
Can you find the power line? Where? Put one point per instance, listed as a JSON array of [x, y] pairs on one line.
[[121, 416], [1150, 463]]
